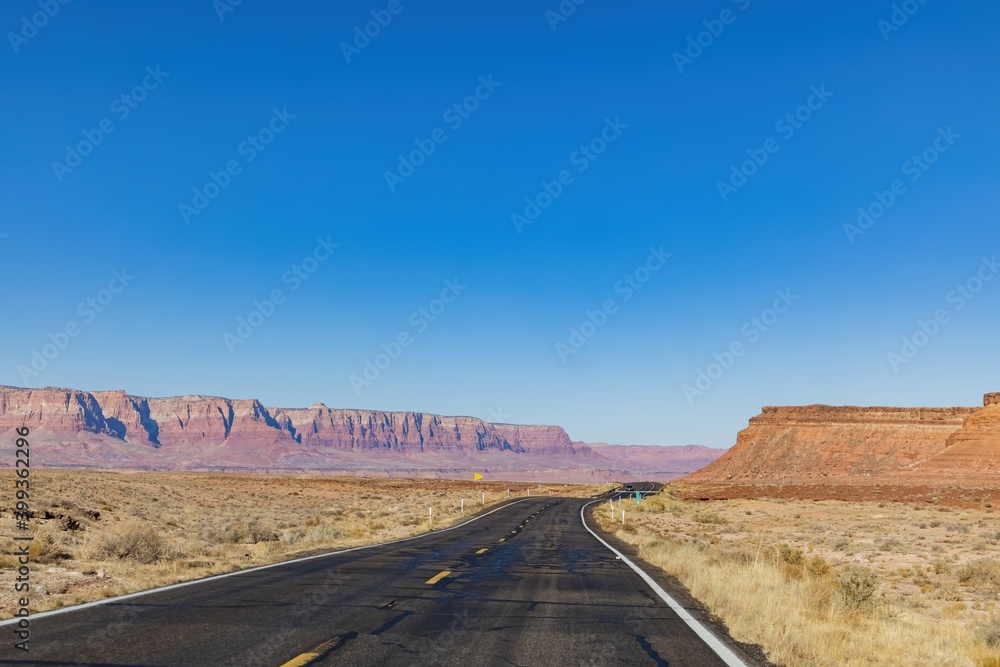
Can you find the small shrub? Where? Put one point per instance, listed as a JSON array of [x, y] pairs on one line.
[[818, 566], [293, 535], [241, 533], [709, 517], [981, 572], [134, 541], [257, 533], [790, 555], [989, 632], [891, 544], [856, 587], [43, 549]]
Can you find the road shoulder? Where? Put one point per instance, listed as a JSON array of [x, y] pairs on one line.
[[752, 654]]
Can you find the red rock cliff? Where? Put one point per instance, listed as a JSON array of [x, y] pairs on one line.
[[58, 410], [172, 422], [816, 443]]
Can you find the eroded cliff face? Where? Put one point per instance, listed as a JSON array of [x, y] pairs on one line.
[[211, 420], [63, 410], [852, 445], [402, 432], [127, 417], [973, 450], [543, 440], [115, 429], [175, 421]]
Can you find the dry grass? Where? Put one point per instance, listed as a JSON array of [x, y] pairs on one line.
[[833, 583], [98, 534]]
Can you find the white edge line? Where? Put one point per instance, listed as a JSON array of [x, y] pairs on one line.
[[723, 651], [214, 577]]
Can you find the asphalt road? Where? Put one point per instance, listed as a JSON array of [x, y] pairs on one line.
[[524, 585]]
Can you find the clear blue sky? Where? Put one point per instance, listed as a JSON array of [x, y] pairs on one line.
[[880, 95]]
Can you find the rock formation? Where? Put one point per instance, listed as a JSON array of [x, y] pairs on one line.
[[112, 429], [854, 445]]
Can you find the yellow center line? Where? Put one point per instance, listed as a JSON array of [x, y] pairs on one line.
[[481, 551], [306, 658], [502, 539], [438, 577]]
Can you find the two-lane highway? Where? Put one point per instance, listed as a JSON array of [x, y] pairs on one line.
[[526, 584]]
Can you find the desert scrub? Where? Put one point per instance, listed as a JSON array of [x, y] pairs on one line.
[[980, 572], [988, 632], [855, 588], [248, 533], [807, 609], [134, 540]]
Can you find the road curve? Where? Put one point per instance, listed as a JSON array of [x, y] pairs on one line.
[[525, 585]]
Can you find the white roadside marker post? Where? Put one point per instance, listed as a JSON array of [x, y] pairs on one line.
[[463, 506], [430, 516], [484, 499], [623, 517]]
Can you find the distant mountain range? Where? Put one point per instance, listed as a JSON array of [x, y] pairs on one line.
[[115, 430]]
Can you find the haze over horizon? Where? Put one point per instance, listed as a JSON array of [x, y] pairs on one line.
[[470, 292]]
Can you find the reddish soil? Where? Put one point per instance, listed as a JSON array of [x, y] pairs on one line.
[[967, 497]]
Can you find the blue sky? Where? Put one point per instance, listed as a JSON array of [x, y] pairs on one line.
[[638, 145]]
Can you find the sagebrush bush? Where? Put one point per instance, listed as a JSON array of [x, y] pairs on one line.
[[818, 566], [989, 632], [790, 555], [44, 549], [856, 586], [133, 541], [981, 572]]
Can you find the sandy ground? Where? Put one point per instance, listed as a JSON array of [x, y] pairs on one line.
[[968, 495]]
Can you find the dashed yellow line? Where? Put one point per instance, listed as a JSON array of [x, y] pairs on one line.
[[438, 577], [481, 551], [303, 659], [502, 539], [306, 658]]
